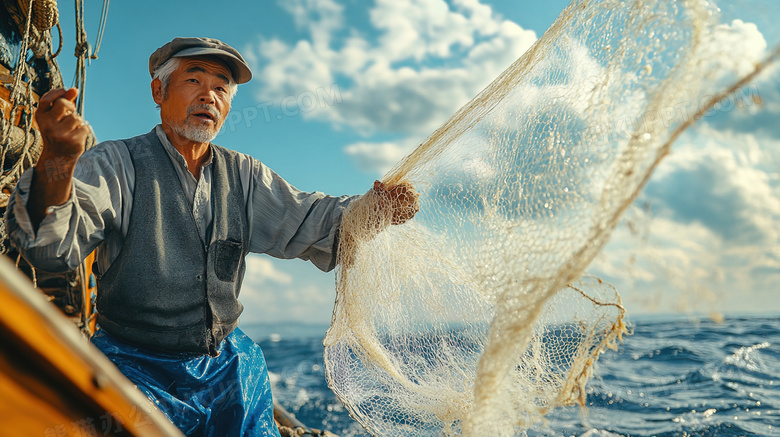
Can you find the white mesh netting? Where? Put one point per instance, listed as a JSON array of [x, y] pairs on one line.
[[474, 318]]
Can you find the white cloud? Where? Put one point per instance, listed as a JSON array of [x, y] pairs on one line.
[[734, 47], [754, 108], [426, 28], [686, 267], [319, 17], [378, 157], [665, 258], [720, 181], [710, 242], [303, 303], [260, 270], [285, 290], [405, 81], [300, 304]]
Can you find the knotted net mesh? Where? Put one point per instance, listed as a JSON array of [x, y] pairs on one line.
[[475, 317]]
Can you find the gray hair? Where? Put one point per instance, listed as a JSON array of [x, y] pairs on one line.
[[164, 71]]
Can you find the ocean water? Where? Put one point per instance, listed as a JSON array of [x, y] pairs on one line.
[[675, 376]]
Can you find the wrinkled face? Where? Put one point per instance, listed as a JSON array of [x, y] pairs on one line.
[[197, 99]]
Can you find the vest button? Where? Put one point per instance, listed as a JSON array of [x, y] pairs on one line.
[[199, 277]]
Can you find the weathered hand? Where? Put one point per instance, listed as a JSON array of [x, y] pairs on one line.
[[64, 134], [402, 200], [63, 131]]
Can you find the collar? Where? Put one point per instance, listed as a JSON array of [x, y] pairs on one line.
[[174, 154]]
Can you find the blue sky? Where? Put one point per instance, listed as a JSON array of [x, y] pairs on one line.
[[344, 89]]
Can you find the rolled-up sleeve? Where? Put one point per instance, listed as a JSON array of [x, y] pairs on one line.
[[288, 223], [71, 231]]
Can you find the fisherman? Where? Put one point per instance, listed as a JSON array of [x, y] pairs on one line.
[[173, 217]]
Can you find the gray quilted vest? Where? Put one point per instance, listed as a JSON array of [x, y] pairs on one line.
[[165, 291]]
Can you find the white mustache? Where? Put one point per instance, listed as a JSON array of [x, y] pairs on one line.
[[204, 107]]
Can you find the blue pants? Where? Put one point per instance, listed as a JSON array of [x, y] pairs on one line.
[[227, 395]]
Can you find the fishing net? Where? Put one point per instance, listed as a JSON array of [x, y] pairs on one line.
[[476, 318]]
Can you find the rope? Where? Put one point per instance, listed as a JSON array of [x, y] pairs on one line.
[[14, 99], [59, 49], [21, 95], [32, 270], [21, 65], [83, 50], [101, 28]]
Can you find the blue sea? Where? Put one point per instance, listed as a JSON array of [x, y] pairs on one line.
[[675, 376]]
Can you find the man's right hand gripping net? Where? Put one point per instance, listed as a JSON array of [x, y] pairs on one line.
[[474, 318]]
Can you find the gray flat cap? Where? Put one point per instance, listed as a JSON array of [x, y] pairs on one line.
[[183, 47]]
